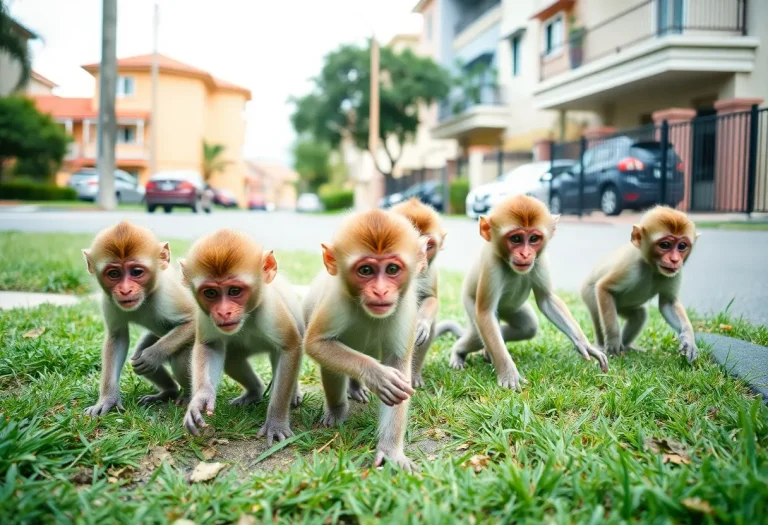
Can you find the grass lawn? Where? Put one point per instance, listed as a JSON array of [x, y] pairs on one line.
[[735, 225], [653, 440], [73, 205]]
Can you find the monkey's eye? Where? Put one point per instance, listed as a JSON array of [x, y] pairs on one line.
[[516, 238], [113, 274], [682, 246], [137, 272], [365, 271], [533, 239], [235, 291], [665, 245], [210, 293], [392, 269]]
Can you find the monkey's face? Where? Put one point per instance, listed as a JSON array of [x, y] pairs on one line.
[[670, 253], [226, 302], [126, 282], [523, 246], [377, 282]]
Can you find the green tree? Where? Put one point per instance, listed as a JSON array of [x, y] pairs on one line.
[[338, 106], [30, 136], [14, 44], [212, 161], [311, 161]]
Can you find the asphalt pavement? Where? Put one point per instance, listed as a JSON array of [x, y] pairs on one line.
[[725, 265]]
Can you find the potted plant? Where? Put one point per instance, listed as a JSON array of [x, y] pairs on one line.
[[575, 43]]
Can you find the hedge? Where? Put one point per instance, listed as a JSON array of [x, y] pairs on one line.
[[337, 199], [459, 190], [25, 190]]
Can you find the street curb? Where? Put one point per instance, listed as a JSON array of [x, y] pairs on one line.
[[741, 359]]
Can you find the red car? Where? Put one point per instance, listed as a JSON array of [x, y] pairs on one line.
[[169, 189], [257, 202]]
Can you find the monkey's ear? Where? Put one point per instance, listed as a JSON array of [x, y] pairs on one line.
[[637, 235], [442, 240], [329, 259], [423, 248], [88, 262], [165, 255], [485, 228], [269, 265], [184, 279], [696, 237]]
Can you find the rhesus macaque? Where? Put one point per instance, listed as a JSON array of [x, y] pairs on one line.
[[132, 268], [497, 287], [361, 320], [244, 308], [651, 264], [427, 221]]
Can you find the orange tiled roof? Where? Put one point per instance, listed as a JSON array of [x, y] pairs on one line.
[[77, 108], [168, 64]]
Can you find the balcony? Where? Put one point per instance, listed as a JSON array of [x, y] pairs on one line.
[[479, 111], [123, 151], [652, 44], [471, 13]]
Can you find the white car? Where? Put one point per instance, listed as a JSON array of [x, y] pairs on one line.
[[308, 203], [524, 179]]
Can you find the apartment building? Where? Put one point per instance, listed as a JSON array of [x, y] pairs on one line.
[[193, 106]]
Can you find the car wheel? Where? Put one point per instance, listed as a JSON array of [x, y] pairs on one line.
[[167, 209], [117, 197], [196, 206], [151, 209], [555, 204], [610, 201]]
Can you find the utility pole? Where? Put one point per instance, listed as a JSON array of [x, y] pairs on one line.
[[373, 119], [107, 125], [153, 117]]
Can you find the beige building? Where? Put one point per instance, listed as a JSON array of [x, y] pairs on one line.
[[273, 184], [10, 70]]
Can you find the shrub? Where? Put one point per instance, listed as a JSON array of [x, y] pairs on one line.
[[26, 190], [459, 190], [334, 198]]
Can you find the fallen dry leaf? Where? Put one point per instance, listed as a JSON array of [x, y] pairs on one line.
[[677, 459], [183, 521], [697, 505], [206, 471], [462, 447], [246, 519], [34, 333], [478, 462], [672, 451], [432, 458], [209, 453], [116, 474], [156, 457], [726, 327], [436, 433], [217, 441]]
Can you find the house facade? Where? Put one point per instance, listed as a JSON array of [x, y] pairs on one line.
[[193, 106]]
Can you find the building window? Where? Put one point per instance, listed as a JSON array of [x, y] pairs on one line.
[[126, 134], [553, 34], [429, 26], [516, 56], [126, 86]]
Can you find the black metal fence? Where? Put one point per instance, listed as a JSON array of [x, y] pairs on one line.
[[712, 163]]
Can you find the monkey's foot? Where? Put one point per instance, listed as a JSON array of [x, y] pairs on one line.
[[335, 416], [633, 348], [417, 381], [396, 458], [688, 348], [458, 361], [103, 406], [165, 395], [612, 349], [275, 430], [511, 379], [182, 400], [248, 398], [358, 392], [297, 398]]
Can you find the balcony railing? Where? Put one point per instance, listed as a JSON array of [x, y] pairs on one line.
[[472, 13], [133, 151], [640, 23], [460, 101]]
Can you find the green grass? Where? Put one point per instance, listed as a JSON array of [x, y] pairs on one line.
[[761, 225], [75, 205], [569, 448]]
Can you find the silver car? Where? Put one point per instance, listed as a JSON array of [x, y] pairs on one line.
[[86, 183]]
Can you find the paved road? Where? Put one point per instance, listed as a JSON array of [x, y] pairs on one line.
[[725, 264]]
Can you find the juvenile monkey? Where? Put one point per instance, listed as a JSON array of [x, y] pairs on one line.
[[650, 265], [132, 268], [497, 287], [244, 308], [427, 221], [361, 320]]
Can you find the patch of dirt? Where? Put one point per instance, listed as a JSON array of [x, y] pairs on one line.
[[242, 454]]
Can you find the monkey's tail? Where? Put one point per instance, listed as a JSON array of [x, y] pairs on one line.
[[449, 326]]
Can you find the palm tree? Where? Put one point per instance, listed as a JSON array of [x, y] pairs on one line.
[[14, 44], [212, 161]]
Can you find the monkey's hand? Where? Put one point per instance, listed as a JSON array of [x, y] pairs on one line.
[[396, 457], [150, 360], [586, 350], [422, 331], [104, 405], [511, 378], [390, 384], [275, 430], [613, 347], [688, 348], [202, 401]]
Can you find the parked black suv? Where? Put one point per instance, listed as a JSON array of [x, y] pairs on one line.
[[620, 173]]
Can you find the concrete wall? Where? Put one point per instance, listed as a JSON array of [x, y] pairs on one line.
[[225, 125]]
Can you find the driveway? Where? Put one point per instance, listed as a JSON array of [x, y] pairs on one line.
[[725, 264]]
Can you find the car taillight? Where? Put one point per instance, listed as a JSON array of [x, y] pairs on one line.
[[184, 185], [680, 166], [631, 164], [151, 185], [93, 182]]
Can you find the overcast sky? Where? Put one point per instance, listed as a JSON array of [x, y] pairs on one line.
[[269, 46]]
